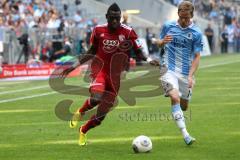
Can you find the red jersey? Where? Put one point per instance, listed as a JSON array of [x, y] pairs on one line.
[[113, 48]]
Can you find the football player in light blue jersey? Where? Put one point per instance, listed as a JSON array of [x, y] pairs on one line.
[[181, 42]]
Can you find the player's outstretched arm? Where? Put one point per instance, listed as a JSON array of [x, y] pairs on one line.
[[80, 60], [162, 42], [141, 56]]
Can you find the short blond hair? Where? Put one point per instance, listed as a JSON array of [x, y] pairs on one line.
[[188, 5]]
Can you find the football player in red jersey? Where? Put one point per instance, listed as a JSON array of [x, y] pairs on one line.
[[109, 51]]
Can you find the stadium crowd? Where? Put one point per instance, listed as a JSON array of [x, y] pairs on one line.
[[224, 14], [23, 15]]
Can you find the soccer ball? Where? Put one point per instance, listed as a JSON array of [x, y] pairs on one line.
[[142, 144]]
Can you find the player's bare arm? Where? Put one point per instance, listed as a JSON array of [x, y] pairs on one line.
[[81, 60], [162, 42], [140, 55], [193, 69]]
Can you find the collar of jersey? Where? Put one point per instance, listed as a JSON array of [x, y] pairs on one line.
[[190, 26]]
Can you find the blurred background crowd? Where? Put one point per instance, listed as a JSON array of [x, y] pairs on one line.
[[48, 30], [225, 13]]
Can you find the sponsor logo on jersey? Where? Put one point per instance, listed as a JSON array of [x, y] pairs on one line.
[[110, 46], [110, 43], [121, 37], [189, 35]]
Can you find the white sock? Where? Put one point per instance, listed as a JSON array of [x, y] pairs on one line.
[[184, 132], [179, 119]]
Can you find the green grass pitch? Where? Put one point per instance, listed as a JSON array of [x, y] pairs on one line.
[[30, 130]]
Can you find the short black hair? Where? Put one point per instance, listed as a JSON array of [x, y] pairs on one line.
[[114, 7]]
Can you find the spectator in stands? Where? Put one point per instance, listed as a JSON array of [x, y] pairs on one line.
[[54, 21], [65, 8], [125, 18], [39, 11], [177, 2], [224, 40], [155, 47], [149, 37], [2, 26], [230, 29], [237, 37], [81, 47], [78, 18], [62, 52], [210, 34], [88, 34]]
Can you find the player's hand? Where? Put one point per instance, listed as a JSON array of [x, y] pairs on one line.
[[154, 62], [67, 71], [190, 81], [154, 40], [167, 39]]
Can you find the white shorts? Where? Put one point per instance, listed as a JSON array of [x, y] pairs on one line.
[[171, 80]]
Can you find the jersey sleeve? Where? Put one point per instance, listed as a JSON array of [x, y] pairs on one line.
[[94, 38], [198, 44], [134, 38]]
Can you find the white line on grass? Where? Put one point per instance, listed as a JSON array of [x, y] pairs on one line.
[[11, 83], [32, 124], [49, 93], [218, 64], [235, 133], [96, 140], [27, 97], [22, 111], [26, 89], [110, 140]]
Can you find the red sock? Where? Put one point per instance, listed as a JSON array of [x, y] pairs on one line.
[[86, 106], [93, 122]]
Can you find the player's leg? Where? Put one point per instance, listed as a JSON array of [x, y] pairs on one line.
[[89, 104], [96, 98], [96, 89], [171, 88], [186, 94], [178, 116], [184, 104], [104, 107]]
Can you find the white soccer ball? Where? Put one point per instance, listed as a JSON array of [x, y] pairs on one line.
[[142, 144]]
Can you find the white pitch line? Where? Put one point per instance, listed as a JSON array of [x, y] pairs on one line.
[[11, 83], [49, 93], [31, 124], [97, 140], [27, 97], [26, 89], [218, 64], [235, 133], [110, 140], [21, 111]]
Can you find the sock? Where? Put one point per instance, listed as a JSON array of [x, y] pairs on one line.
[[86, 106], [179, 119], [93, 122]]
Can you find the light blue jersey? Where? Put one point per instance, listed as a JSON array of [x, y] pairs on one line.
[[179, 53]]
